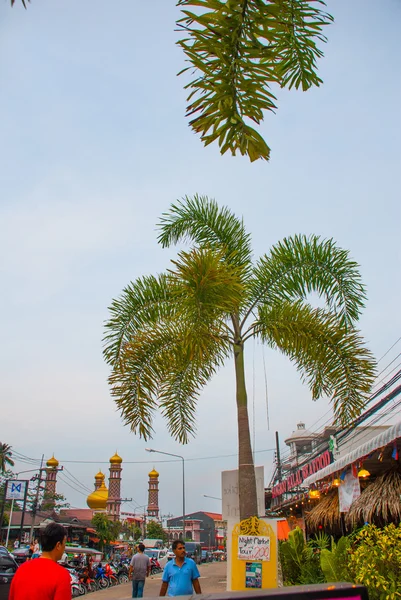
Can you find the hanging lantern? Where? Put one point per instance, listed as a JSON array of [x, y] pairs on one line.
[[363, 473], [337, 482], [314, 494]]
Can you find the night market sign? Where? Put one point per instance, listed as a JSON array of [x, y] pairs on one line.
[[296, 479]]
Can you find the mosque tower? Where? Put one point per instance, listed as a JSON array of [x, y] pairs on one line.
[[51, 477], [153, 495], [99, 478], [97, 500], [114, 500]]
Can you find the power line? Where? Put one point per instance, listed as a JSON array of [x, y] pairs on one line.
[[385, 354], [71, 486]]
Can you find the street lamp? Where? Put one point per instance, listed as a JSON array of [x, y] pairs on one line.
[[214, 497], [183, 484]]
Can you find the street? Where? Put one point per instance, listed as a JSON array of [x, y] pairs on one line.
[[213, 579]]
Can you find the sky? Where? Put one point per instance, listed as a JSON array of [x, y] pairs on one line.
[[95, 146]]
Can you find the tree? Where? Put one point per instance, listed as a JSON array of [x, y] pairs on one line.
[[107, 531], [155, 531], [237, 51], [54, 501], [5, 457], [168, 334]]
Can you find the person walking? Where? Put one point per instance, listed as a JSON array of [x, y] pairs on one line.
[[16, 544], [36, 549], [139, 568], [180, 576], [44, 578]]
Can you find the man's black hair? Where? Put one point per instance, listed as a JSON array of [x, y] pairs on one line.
[[51, 535], [141, 547], [177, 543]]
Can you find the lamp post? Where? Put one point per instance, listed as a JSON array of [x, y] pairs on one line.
[[183, 484], [214, 497]]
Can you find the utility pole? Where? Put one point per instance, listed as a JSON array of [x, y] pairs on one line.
[[36, 501], [279, 472]]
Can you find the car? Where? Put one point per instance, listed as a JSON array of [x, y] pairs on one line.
[[21, 554], [4, 551], [193, 550], [159, 554], [8, 567]]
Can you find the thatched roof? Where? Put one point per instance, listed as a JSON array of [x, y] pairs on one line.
[[379, 503], [325, 513]]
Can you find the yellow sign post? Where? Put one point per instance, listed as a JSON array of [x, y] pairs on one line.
[[253, 555]]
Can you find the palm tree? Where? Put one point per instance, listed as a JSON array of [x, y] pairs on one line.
[[5, 457], [168, 334]]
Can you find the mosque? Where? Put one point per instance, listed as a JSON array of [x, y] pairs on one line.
[[103, 499]]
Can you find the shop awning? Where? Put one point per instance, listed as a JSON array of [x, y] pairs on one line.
[[388, 436]]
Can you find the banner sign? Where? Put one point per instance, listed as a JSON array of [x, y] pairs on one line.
[[15, 490], [253, 575], [348, 491], [253, 547], [318, 463], [230, 493]]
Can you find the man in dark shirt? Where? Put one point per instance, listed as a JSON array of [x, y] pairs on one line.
[[139, 569], [43, 578]]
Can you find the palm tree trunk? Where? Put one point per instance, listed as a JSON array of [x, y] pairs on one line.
[[248, 504]]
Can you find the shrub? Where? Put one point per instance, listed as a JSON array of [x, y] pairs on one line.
[[300, 562], [375, 561], [334, 562]]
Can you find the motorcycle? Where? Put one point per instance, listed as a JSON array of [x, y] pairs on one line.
[[110, 573], [121, 572], [77, 589], [155, 566], [100, 577]]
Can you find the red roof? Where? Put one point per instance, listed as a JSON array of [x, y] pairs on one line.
[[215, 516], [82, 514]]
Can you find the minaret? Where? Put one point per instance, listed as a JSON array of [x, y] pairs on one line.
[[99, 478], [51, 476], [153, 495], [114, 500]]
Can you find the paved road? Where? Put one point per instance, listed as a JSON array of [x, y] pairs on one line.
[[213, 579]]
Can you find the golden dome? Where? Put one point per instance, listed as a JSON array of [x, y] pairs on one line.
[[99, 475], [153, 473], [52, 462], [97, 500], [116, 460]]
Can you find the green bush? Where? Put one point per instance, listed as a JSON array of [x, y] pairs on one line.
[[375, 561], [300, 562], [334, 562]]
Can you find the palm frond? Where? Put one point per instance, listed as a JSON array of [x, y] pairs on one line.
[[238, 50], [165, 366], [200, 220], [331, 358], [23, 2], [206, 286], [298, 25], [142, 303], [181, 386], [300, 265]]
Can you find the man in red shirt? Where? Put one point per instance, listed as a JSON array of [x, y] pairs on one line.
[[43, 578]]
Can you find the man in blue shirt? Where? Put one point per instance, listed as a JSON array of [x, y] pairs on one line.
[[180, 574]]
